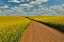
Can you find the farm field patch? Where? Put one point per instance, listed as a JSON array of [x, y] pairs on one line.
[[54, 21], [12, 28]]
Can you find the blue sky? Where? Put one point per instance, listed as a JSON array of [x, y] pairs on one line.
[[50, 2], [32, 7]]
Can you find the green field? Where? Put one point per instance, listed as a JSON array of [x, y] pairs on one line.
[[12, 28], [54, 21]]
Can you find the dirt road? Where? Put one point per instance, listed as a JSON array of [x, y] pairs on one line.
[[37, 32]]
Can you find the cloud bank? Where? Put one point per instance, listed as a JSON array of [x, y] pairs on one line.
[[33, 3], [42, 10]]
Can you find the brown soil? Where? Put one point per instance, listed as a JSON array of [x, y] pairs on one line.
[[37, 32]]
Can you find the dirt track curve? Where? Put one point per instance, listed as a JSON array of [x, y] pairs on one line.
[[37, 32]]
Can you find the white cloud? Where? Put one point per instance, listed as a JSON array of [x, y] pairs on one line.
[[43, 10], [5, 6], [37, 2], [52, 10], [33, 3], [34, 9], [15, 1], [26, 5], [25, 13], [18, 1], [13, 11]]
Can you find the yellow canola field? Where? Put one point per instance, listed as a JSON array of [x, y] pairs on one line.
[[53, 21], [12, 28]]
